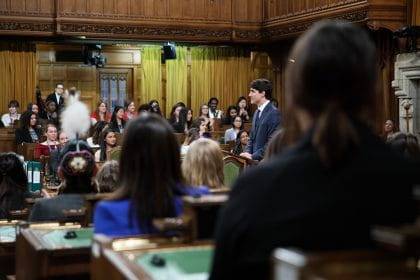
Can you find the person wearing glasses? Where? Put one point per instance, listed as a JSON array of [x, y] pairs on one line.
[[57, 97]]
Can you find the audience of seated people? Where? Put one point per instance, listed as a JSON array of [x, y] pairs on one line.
[[149, 150], [77, 166], [241, 141], [117, 122], [107, 142], [192, 135], [242, 105], [101, 113], [231, 133], [13, 184], [51, 143], [107, 177], [130, 110], [203, 164], [28, 132], [13, 115]]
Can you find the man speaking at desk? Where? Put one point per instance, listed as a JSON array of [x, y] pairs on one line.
[[266, 119]]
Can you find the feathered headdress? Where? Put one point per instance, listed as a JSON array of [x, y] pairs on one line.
[[75, 120]]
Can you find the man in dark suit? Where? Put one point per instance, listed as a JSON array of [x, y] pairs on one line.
[[57, 97], [266, 119]]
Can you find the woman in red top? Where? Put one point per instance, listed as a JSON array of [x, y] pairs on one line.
[[130, 110], [101, 113], [50, 144]]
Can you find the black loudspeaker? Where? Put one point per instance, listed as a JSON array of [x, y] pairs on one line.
[[169, 51]]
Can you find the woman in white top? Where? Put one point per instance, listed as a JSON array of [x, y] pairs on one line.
[[9, 118], [231, 133]]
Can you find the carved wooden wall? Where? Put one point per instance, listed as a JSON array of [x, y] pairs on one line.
[[82, 76], [251, 21]]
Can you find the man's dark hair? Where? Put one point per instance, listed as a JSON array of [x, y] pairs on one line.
[[263, 85]]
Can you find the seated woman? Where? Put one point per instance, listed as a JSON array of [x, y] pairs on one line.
[[13, 184], [231, 133], [107, 177], [203, 164], [28, 132], [9, 118], [107, 142], [154, 104], [185, 116], [192, 135], [149, 150], [50, 144], [201, 125], [95, 137], [175, 120], [232, 113], [101, 113], [117, 122], [241, 142], [130, 110], [50, 115], [242, 105], [76, 170]]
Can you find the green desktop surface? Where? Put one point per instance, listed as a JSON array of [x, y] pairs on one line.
[[56, 238], [8, 233], [180, 263]]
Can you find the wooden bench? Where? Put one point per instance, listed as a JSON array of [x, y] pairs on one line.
[[7, 140], [203, 212]]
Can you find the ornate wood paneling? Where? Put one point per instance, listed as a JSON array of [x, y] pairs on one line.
[[81, 76], [249, 21]]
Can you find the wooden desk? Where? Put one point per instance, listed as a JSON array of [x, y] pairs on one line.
[[43, 252], [7, 247], [204, 212], [7, 140], [130, 258]]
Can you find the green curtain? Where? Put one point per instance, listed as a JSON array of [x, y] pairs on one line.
[[18, 73], [223, 72], [151, 74], [176, 79]]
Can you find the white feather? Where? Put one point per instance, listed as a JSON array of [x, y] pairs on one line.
[[75, 118]]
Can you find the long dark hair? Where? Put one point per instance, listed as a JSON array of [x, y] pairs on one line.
[[102, 143], [149, 168], [331, 76], [13, 184], [25, 119], [113, 122]]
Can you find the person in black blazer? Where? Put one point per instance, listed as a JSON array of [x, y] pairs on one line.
[[326, 190], [57, 97], [265, 122], [29, 131]]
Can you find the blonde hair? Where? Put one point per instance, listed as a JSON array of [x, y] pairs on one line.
[[203, 164], [107, 177]]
